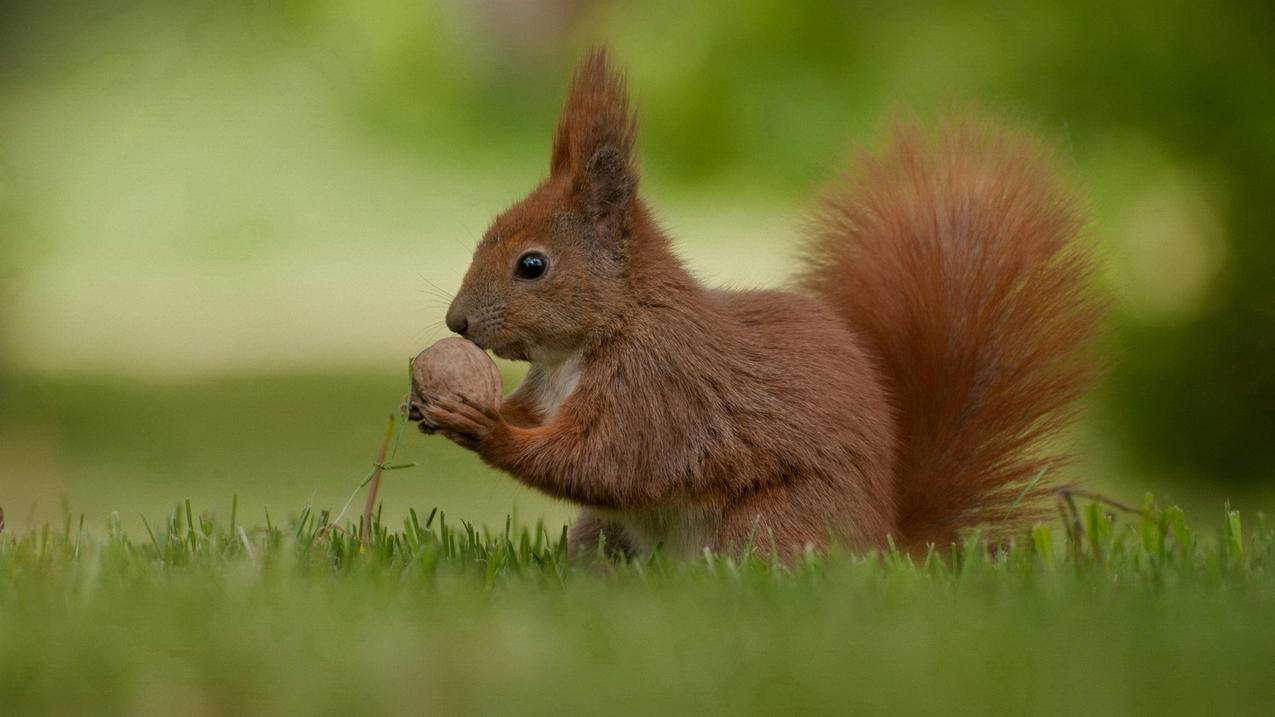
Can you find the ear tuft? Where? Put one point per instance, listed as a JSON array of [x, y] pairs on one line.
[[596, 130]]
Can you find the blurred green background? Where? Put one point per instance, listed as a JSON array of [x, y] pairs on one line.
[[225, 226]]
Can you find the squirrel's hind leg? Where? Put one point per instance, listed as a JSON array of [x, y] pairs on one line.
[[590, 530]]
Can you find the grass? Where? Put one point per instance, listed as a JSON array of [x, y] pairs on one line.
[[1142, 614]]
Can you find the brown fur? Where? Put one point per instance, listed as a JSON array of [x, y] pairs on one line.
[[902, 393]]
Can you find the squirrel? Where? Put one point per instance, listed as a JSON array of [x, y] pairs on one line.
[[909, 386]]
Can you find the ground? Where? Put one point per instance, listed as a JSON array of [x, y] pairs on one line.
[[1134, 614]]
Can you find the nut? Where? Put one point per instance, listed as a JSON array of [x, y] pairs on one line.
[[454, 365]]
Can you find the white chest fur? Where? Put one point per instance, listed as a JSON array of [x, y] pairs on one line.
[[554, 383]]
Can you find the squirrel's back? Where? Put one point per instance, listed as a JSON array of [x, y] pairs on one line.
[[957, 259]]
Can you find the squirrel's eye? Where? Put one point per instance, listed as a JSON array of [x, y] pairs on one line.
[[531, 265]]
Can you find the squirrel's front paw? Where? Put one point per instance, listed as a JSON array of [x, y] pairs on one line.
[[459, 419]]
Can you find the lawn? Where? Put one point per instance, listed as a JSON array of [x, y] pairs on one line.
[[217, 613]]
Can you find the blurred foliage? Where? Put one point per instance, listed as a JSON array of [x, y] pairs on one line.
[[1164, 113], [275, 443]]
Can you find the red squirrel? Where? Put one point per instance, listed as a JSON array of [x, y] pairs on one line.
[[907, 387]]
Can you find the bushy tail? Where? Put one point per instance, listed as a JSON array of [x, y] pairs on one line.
[[957, 258]]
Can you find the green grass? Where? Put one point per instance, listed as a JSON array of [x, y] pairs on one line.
[[1134, 614]]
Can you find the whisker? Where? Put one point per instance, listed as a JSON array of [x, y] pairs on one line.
[[436, 301], [429, 333], [438, 290]]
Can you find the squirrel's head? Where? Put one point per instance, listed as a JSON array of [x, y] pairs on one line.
[[551, 270]]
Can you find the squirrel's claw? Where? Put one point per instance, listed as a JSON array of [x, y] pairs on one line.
[[416, 414], [414, 411]]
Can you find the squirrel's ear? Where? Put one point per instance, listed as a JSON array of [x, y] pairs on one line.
[[594, 141], [608, 188]]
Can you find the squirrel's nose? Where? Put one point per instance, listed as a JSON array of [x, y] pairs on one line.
[[457, 323]]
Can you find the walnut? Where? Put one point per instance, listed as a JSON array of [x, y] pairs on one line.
[[454, 365]]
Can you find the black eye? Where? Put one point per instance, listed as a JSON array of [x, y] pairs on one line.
[[531, 265]]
